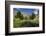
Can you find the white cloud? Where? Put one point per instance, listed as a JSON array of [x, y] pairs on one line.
[[36, 12]]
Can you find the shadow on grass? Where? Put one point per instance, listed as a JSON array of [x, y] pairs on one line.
[[28, 24]]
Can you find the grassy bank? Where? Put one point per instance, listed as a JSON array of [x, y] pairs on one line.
[[25, 23]]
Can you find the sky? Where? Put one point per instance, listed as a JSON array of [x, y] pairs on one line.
[[26, 10]]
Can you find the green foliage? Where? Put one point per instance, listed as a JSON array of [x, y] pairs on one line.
[[19, 20], [32, 16], [25, 17], [19, 15], [19, 23]]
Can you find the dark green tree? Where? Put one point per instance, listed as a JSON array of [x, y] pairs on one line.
[[32, 16], [19, 15]]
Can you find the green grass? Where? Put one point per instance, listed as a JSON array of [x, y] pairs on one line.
[[18, 22]]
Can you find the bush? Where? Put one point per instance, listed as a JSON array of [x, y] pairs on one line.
[[32, 16], [25, 17], [17, 22]]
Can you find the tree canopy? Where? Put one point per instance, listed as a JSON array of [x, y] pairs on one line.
[[19, 15], [32, 16]]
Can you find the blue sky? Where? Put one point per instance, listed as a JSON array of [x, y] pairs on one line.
[[25, 10]]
